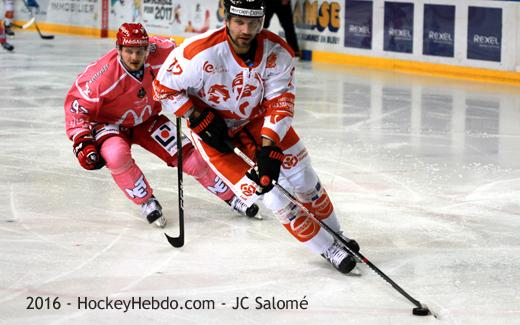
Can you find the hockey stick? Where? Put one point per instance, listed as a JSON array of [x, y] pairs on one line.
[[419, 310], [26, 25], [179, 241], [33, 18]]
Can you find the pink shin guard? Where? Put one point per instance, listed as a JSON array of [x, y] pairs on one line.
[[194, 165], [126, 174]]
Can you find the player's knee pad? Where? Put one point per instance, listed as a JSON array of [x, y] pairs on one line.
[[317, 201], [193, 164], [116, 152], [297, 222]]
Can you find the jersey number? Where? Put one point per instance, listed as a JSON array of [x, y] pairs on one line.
[[175, 67]]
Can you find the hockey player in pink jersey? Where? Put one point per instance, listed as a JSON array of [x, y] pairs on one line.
[[110, 107], [235, 84]]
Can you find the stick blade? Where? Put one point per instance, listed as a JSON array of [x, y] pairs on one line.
[[29, 23], [176, 242], [47, 36]]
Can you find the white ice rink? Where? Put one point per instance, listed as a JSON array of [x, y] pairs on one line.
[[424, 172]]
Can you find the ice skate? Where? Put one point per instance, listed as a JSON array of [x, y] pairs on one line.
[[7, 46], [238, 206], [339, 258], [351, 243], [152, 210]]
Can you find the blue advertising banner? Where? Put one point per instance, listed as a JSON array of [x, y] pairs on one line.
[[398, 27], [485, 33], [439, 30], [358, 24]]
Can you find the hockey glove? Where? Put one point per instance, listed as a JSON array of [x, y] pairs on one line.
[[85, 150], [212, 129], [269, 160]]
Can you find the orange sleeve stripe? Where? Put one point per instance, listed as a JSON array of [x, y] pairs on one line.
[[270, 134], [161, 92], [184, 108], [277, 39], [280, 104], [200, 45]]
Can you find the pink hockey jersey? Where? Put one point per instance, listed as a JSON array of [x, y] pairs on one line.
[[205, 71], [106, 93]]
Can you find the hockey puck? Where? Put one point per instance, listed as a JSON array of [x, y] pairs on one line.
[[421, 311]]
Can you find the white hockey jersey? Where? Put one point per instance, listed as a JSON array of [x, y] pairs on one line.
[[206, 72]]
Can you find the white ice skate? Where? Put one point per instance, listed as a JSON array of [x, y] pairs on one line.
[[339, 258], [238, 206], [152, 211]]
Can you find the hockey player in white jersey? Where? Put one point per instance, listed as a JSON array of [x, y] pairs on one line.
[[235, 84]]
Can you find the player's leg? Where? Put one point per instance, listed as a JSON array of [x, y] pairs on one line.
[[9, 15], [195, 166], [160, 140], [298, 176], [115, 150], [3, 39]]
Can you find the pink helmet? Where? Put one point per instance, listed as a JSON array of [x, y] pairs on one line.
[[132, 34]]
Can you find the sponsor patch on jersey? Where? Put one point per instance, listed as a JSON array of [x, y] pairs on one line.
[[165, 135], [271, 61], [104, 131], [304, 227], [210, 68], [289, 161], [139, 190]]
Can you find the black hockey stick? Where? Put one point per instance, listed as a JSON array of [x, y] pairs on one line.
[[35, 24], [179, 241], [419, 310]]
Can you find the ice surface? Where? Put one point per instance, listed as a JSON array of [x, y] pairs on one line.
[[424, 173]]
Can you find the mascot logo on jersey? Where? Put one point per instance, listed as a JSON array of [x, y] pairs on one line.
[[245, 91], [271, 61], [218, 94]]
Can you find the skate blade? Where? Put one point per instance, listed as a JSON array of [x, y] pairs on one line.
[[258, 216], [356, 271]]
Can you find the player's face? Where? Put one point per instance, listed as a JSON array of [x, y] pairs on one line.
[[243, 31], [133, 57]]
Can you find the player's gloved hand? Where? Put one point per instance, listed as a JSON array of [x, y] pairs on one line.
[[269, 160], [212, 129], [85, 150]]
